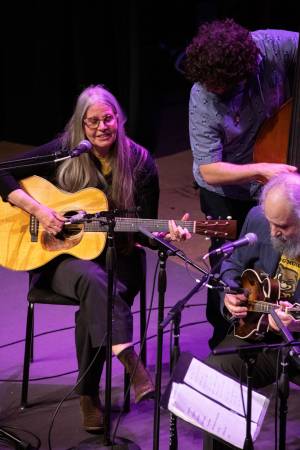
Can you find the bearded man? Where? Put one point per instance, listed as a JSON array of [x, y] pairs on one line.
[[276, 254]]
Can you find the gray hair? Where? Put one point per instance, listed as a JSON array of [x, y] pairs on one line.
[[288, 184], [77, 173]]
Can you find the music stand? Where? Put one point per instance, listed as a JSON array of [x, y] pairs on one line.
[[248, 353]]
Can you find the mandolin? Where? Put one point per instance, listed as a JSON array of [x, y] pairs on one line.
[[26, 246], [264, 293]]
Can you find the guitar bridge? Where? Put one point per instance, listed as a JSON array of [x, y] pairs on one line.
[[33, 228]]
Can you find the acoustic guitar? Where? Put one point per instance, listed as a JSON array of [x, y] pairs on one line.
[[264, 293], [26, 246]]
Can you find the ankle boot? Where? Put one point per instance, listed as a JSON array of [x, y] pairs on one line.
[[92, 415], [140, 377]]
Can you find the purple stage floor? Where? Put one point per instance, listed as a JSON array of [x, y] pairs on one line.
[[55, 353]]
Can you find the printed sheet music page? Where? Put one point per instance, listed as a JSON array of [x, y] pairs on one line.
[[212, 401]]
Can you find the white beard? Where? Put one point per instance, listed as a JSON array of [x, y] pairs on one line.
[[289, 247]]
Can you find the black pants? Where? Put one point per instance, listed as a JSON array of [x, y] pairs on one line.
[[218, 207], [264, 373], [86, 282]]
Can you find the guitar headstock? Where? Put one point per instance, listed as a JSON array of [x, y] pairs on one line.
[[223, 228]]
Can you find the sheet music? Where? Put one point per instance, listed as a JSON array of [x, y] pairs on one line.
[[224, 390], [204, 413]]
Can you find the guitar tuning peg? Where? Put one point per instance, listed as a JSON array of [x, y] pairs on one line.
[[207, 238], [229, 217], [209, 217]]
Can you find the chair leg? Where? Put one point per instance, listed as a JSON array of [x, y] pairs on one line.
[[143, 314], [27, 354], [32, 334]]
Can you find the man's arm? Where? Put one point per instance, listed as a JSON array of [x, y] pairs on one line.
[[222, 173]]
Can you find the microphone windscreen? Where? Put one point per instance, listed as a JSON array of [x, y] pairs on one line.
[[252, 238]]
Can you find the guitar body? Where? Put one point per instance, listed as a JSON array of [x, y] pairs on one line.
[[26, 246], [260, 289], [18, 249]]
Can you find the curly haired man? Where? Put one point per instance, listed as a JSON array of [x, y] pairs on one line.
[[241, 78]]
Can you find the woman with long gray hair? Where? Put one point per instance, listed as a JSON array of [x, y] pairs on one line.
[[127, 174]]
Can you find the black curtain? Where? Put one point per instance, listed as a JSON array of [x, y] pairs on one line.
[[51, 50]]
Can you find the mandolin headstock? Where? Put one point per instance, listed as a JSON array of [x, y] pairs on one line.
[[294, 311]]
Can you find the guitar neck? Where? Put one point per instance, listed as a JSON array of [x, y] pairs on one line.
[[133, 225], [266, 308], [127, 225], [261, 307], [211, 228]]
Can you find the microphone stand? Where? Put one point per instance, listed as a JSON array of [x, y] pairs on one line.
[[83, 147], [249, 354], [175, 353], [165, 249], [163, 254], [283, 384], [175, 316], [14, 440], [250, 360], [110, 268], [35, 160], [118, 443]]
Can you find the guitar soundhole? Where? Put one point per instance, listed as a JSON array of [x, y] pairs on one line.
[[73, 228], [70, 230], [68, 237]]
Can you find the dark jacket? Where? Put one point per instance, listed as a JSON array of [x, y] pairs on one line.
[[261, 256]]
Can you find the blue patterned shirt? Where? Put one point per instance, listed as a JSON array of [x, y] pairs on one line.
[[225, 128]]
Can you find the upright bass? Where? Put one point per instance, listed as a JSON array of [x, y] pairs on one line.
[[278, 140]]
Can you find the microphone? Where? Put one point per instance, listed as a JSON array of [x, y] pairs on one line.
[[77, 218], [229, 289], [248, 239], [83, 147]]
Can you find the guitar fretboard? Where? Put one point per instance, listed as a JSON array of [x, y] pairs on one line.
[[124, 224], [266, 308], [218, 228], [261, 307]]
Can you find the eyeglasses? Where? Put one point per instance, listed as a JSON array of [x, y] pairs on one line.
[[94, 122]]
